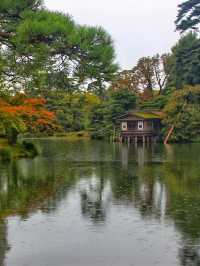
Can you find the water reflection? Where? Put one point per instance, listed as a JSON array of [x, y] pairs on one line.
[[3, 241], [95, 200], [161, 184]]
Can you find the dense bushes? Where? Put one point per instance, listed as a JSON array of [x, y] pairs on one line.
[[104, 117], [88, 112], [72, 110], [81, 111], [5, 154], [23, 149], [157, 103], [183, 111], [29, 148], [19, 114]]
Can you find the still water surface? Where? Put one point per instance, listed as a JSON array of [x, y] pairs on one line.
[[100, 204]]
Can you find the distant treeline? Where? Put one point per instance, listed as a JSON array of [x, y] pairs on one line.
[[57, 76]]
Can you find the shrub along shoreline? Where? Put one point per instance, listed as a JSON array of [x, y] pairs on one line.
[[22, 149]]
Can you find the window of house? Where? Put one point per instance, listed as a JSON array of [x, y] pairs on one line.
[[124, 126], [132, 125], [140, 125]]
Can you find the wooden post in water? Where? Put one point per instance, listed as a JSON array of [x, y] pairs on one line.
[[168, 135], [136, 140], [114, 134]]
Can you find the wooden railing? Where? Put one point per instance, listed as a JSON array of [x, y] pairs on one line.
[[140, 132]]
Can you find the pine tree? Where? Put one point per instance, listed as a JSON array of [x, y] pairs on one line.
[[188, 15]]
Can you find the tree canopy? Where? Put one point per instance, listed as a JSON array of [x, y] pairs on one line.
[[47, 55], [184, 63], [150, 73], [188, 17], [41, 49], [183, 111], [19, 114]]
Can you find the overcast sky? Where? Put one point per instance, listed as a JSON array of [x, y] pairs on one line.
[[138, 27]]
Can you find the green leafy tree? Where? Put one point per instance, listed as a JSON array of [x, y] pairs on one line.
[[150, 73], [105, 116], [188, 15], [160, 64], [42, 49], [183, 111], [145, 74], [125, 79], [120, 101], [184, 63], [73, 111]]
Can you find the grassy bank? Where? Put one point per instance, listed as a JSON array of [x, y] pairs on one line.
[[73, 136]]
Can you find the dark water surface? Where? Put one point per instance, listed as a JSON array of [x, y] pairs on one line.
[[100, 204]]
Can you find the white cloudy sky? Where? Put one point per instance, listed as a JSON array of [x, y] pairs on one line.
[[138, 27]]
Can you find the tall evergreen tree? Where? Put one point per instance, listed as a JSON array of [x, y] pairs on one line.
[[188, 15], [184, 64], [44, 49]]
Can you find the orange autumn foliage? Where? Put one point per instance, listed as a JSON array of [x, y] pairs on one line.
[[31, 111], [146, 95], [35, 101]]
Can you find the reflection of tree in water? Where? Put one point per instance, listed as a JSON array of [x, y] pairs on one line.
[[92, 204], [139, 188], [189, 255], [95, 196], [168, 190], [3, 242], [30, 185], [27, 186], [162, 187], [184, 209], [140, 181], [159, 184]]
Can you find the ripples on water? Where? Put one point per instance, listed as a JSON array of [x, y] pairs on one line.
[[100, 204]]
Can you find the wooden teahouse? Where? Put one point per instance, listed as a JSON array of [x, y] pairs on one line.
[[141, 126]]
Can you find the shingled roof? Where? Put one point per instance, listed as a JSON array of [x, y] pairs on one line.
[[144, 114]]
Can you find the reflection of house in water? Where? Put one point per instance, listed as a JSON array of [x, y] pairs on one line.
[[139, 154], [149, 194], [141, 126]]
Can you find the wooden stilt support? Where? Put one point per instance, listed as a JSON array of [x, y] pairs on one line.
[[168, 135]]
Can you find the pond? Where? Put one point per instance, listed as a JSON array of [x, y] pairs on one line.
[[101, 204]]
